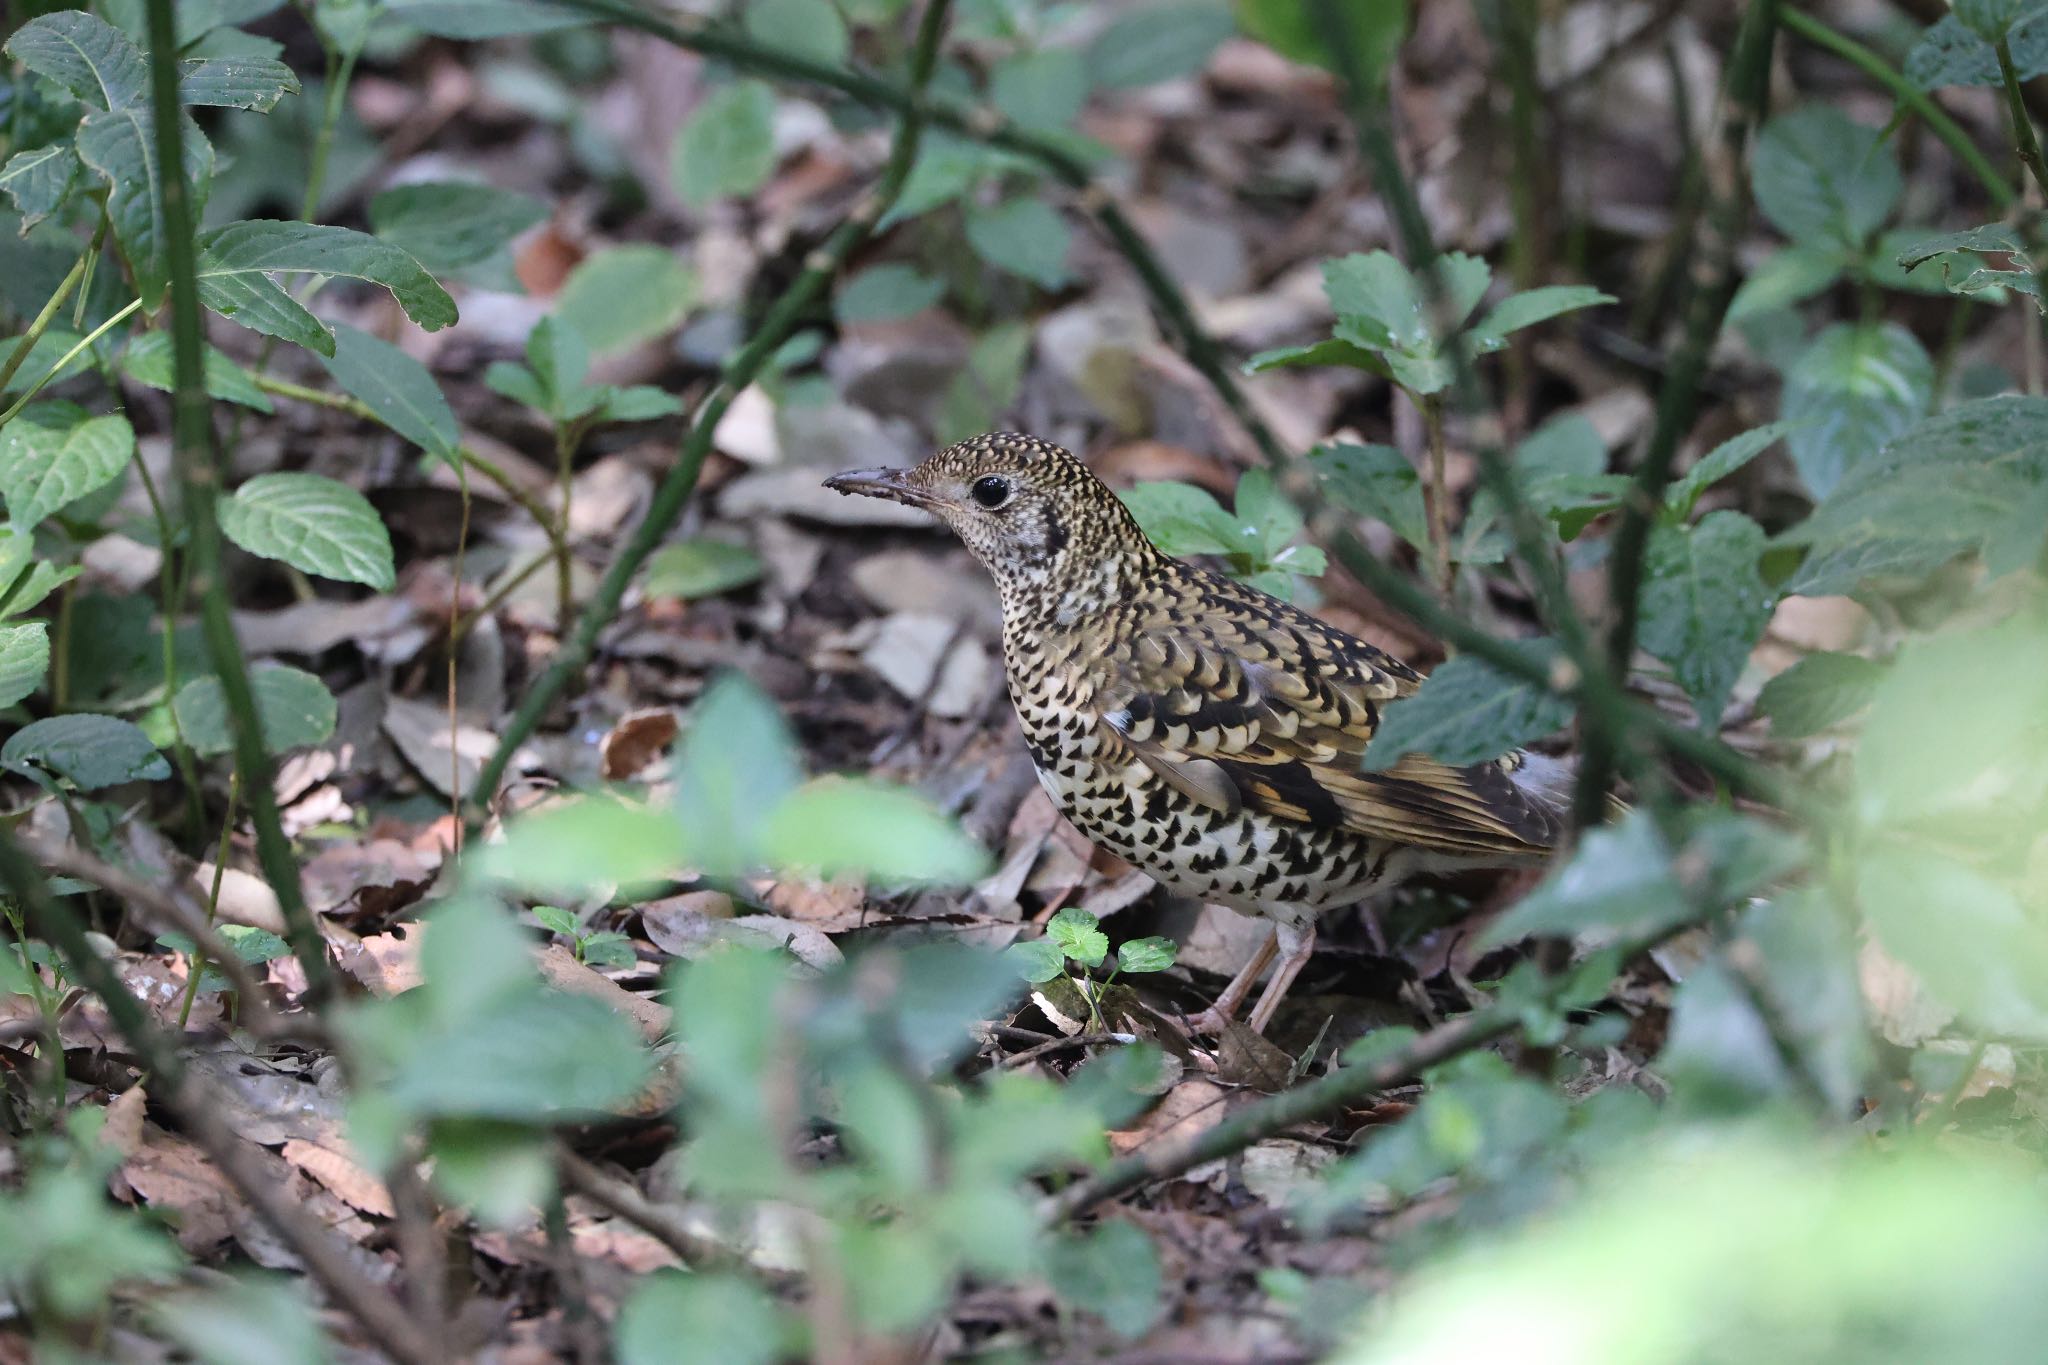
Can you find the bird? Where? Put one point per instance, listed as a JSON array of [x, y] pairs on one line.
[[1206, 732]]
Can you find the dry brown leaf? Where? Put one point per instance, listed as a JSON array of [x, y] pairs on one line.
[[1903, 1011], [385, 963], [639, 738], [173, 1177], [341, 1175], [1191, 1108], [559, 967]]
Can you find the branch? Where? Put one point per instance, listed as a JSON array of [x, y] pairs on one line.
[[676, 487], [200, 1116], [620, 1198], [199, 473]]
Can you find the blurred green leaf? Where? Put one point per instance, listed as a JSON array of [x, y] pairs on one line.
[[624, 295], [500, 1172], [24, 658], [1023, 237], [700, 567], [245, 1322], [1788, 276], [734, 768], [1043, 90], [722, 1318], [854, 825], [1852, 390], [1467, 711], [447, 225], [728, 145], [395, 387], [1294, 29], [1375, 481], [1823, 179], [88, 751], [803, 28], [1618, 880], [147, 360], [1530, 307], [881, 293], [293, 708], [1145, 955], [1704, 604], [550, 851], [1037, 959], [38, 180], [1111, 1271], [1817, 693], [1948, 53], [1718, 463], [1158, 42]]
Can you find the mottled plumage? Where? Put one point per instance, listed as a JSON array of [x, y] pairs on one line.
[[1207, 732]]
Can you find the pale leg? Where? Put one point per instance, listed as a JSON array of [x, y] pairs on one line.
[[1294, 942], [1212, 1019]]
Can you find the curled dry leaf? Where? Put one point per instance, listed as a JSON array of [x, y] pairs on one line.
[[1189, 1109], [638, 739], [346, 1180]]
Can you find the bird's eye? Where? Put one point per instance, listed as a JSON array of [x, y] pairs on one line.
[[991, 491]]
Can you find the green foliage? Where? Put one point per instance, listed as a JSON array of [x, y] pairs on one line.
[[1257, 543], [1466, 711], [624, 295], [701, 567], [294, 708], [313, 523], [728, 145], [86, 750], [551, 382]]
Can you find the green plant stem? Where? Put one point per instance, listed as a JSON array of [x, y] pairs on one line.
[[340, 67], [568, 436], [1936, 118], [170, 590], [675, 488], [220, 869], [1747, 93], [200, 479], [87, 340], [985, 125], [51, 307], [1432, 409], [2023, 135]]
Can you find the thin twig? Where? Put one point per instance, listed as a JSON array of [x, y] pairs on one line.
[[2022, 122], [41, 324], [622, 1199], [1045, 1049]]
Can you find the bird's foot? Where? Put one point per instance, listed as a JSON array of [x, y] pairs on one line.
[[1211, 1021]]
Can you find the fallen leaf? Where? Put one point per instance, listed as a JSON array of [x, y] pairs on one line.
[[638, 739], [340, 1174], [1189, 1109]]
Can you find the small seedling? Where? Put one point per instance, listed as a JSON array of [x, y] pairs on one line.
[[1075, 937], [599, 948]]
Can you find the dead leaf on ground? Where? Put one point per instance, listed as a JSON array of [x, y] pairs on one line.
[[638, 739], [175, 1179], [1189, 1109], [341, 1175]]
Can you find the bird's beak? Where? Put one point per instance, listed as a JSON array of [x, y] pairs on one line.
[[893, 484]]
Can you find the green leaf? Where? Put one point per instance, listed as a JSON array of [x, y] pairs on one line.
[[728, 145], [1968, 937], [700, 567], [1331, 352], [1948, 53], [43, 470], [243, 1322], [554, 851], [1294, 29], [1718, 463], [395, 387], [1619, 879], [1788, 276], [120, 144], [24, 579], [1963, 257], [1182, 519], [1704, 604], [256, 83], [1818, 693], [1111, 1271], [24, 658], [607, 949], [624, 295], [1375, 481], [1383, 308], [314, 524], [555, 919], [293, 708], [85, 750], [1823, 179], [836, 826], [1530, 307], [497, 1170], [1467, 711], [1078, 935], [1037, 960], [1145, 955], [946, 168], [1965, 480], [802, 28], [1043, 90], [478, 19], [148, 361], [237, 261], [1024, 237], [723, 1318], [883, 292], [734, 768], [637, 403], [1851, 391], [1158, 42], [528, 1056], [1994, 20], [86, 55], [37, 180], [446, 225]]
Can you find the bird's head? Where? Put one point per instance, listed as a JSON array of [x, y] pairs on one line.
[[1028, 510]]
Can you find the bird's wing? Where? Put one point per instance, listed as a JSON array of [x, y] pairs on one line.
[[1274, 710]]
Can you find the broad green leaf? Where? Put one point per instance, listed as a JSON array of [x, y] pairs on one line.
[[880, 293], [1718, 463], [1145, 955], [1381, 307], [1158, 42], [236, 264], [531, 1056], [1994, 20], [728, 145], [1024, 237], [1948, 53], [1182, 519], [1037, 960], [1789, 275], [25, 579], [1853, 389], [836, 826], [1375, 481], [1467, 711], [1079, 936], [236, 83], [313, 523], [1111, 1271], [1530, 307], [1043, 90], [1266, 515], [86, 55], [638, 403], [946, 168], [735, 767], [625, 295], [395, 387], [293, 708], [1619, 879], [24, 658], [478, 19], [147, 360], [555, 919], [120, 144], [85, 750], [1817, 693], [1295, 29], [497, 1170], [1808, 962], [243, 1322], [1963, 258], [725, 1318], [1704, 604], [446, 225], [1823, 179], [700, 567], [1331, 352], [550, 851], [802, 28], [1968, 479], [1966, 935], [43, 470], [37, 180]]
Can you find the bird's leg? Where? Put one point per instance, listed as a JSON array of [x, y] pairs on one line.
[[1212, 1019], [1295, 942]]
